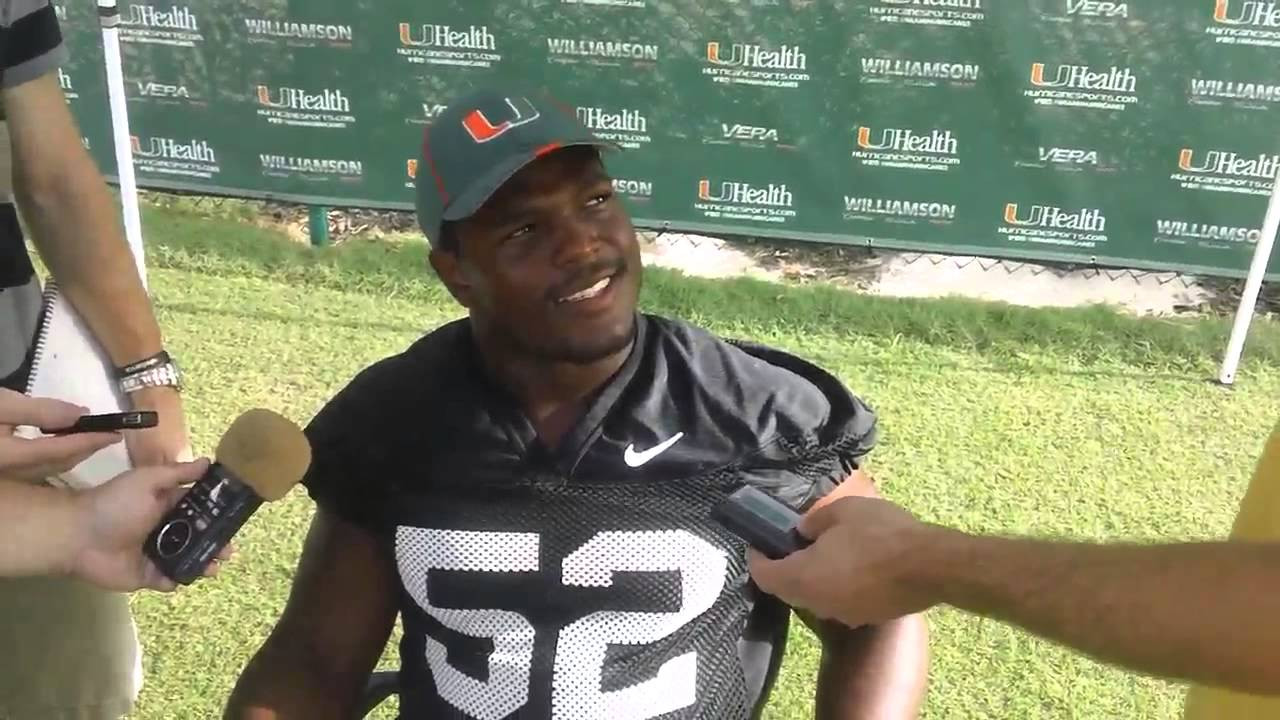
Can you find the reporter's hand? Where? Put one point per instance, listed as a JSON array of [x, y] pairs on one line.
[[858, 571], [168, 441], [35, 459], [116, 519]]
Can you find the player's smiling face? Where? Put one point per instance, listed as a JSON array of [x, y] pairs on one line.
[[552, 261]]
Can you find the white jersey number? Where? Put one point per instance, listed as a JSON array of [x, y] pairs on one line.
[[581, 646]]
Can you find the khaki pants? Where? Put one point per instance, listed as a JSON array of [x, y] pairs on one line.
[[68, 651]]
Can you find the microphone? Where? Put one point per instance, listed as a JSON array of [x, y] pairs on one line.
[[259, 459]]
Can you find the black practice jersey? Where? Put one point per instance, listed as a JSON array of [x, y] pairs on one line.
[[585, 581]]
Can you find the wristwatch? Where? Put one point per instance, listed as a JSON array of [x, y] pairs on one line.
[[159, 370]]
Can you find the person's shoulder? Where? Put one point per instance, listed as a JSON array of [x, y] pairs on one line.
[[768, 396], [401, 385], [428, 360]]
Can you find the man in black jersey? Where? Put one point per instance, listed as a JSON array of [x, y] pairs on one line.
[[530, 488]]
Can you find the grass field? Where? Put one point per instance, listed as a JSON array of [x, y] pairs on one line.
[[1000, 419]]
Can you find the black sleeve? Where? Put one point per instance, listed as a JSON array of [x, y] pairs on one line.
[[31, 44], [822, 432], [346, 477]]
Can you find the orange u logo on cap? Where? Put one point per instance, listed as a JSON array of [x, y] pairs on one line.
[[482, 129]]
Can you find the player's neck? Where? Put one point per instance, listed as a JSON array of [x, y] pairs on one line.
[[553, 395]]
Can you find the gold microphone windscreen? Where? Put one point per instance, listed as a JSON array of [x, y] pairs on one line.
[[266, 451]]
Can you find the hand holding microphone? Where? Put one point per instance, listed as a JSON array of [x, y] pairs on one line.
[[111, 520], [259, 459], [142, 528]]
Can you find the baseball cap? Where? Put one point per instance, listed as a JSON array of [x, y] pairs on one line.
[[479, 141]]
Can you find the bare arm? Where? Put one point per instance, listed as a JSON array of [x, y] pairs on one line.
[[334, 628], [1204, 612], [41, 533], [77, 229], [874, 672], [95, 535], [75, 224]]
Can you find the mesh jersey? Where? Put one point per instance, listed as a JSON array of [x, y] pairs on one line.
[[586, 581]]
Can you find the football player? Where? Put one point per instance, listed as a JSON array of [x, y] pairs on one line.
[[530, 488]]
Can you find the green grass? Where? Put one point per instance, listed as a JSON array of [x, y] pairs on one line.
[[1085, 423]]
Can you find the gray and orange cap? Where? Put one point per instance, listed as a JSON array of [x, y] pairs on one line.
[[481, 140]]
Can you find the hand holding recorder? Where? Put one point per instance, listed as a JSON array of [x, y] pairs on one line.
[[259, 459], [95, 535], [143, 528], [111, 521]]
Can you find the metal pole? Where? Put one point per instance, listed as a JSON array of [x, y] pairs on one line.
[[109, 20], [318, 225], [1252, 286]]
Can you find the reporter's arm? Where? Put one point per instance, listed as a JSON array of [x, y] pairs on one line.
[[334, 628], [75, 224], [39, 530], [874, 672], [1205, 612], [95, 535], [77, 229]]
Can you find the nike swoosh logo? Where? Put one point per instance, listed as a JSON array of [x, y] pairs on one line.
[[636, 459]]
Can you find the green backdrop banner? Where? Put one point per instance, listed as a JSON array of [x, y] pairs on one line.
[[1139, 134]]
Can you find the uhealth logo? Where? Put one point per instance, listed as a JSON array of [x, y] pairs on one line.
[[1247, 22], [1082, 77], [937, 150], [327, 108], [1049, 216], [1250, 12], [1053, 225], [170, 156], [1226, 171], [1070, 85], [627, 127], [327, 100], [177, 25], [748, 64], [737, 200], [474, 46], [756, 56]]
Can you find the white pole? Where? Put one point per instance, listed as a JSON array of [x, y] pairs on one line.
[[1252, 286], [109, 19]]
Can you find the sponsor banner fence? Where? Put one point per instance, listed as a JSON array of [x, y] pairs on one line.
[[1143, 133]]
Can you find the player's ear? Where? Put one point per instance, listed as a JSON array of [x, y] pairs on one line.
[[449, 268]]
